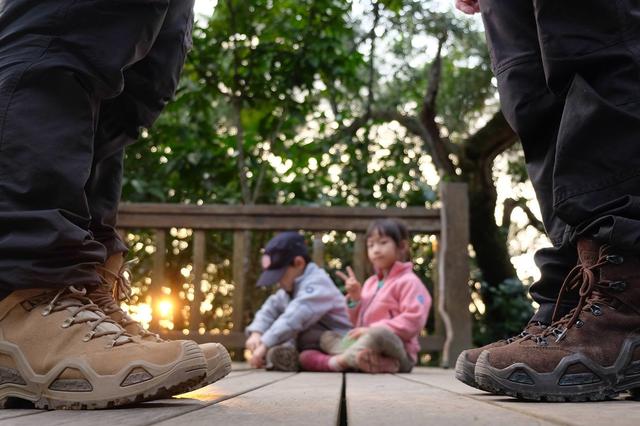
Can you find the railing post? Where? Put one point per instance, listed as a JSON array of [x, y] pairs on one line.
[[360, 259], [318, 250], [453, 270], [157, 278], [199, 252], [239, 278]]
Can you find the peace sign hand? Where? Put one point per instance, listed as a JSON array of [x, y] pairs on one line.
[[351, 284]]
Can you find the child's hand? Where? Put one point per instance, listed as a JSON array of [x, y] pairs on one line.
[[357, 332], [351, 284], [253, 341], [258, 355]]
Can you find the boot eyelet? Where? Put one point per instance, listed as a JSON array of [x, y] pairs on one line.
[[596, 310], [579, 323], [559, 334], [88, 336], [615, 259], [66, 323], [542, 342]]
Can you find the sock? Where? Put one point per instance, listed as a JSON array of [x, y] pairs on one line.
[[312, 360]]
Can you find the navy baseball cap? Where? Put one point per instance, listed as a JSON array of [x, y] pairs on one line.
[[278, 255]]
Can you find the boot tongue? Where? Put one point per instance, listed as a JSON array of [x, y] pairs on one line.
[[588, 251]]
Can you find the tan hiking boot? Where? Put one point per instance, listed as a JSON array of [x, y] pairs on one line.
[[466, 363], [117, 287], [592, 353], [60, 351]]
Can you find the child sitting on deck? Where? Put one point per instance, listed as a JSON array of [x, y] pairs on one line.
[[307, 304], [389, 311]]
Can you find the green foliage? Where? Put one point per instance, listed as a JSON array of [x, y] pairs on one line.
[[511, 303], [262, 116]]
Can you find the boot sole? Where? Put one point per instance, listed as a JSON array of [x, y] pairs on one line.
[[465, 371], [522, 382], [218, 367], [166, 380]]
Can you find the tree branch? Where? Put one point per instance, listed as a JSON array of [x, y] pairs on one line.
[[412, 124], [372, 57], [435, 76], [242, 164], [439, 151], [480, 149], [510, 204]]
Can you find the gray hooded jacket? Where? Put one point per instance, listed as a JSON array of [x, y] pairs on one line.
[[315, 306]]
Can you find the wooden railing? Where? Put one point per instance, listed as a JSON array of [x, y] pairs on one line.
[[450, 224]]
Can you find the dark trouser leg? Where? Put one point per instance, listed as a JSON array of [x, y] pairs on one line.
[[58, 61], [534, 113], [591, 55], [148, 86]]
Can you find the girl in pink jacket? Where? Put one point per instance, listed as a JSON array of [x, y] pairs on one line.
[[388, 311]]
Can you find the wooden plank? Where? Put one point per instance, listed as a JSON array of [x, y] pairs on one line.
[[318, 250], [9, 414], [157, 277], [391, 400], [267, 223], [277, 218], [151, 413], [618, 412], [306, 398], [276, 210], [360, 259], [240, 267], [199, 253], [453, 272]]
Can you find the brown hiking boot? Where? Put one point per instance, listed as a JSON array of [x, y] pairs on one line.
[[117, 287], [466, 363], [592, 353], [60, 351]]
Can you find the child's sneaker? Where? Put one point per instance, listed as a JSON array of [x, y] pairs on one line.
[[282, 358]]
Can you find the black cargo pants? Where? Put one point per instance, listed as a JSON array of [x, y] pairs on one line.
[[78, 78], [568, 75]]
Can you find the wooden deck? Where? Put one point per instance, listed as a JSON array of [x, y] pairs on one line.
[[427, 396]]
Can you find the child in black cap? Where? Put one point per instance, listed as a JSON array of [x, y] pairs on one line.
[[307, 304]]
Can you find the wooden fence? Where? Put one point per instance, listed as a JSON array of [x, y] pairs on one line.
[[450, 224]]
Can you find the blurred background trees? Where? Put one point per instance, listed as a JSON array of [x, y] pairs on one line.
[[339, 102]]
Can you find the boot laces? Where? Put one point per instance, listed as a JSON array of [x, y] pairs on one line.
[[526, 331], [72, 297], [115, 289], [592, 293]]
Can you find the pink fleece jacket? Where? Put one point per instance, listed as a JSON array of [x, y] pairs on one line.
[[402, 304]]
